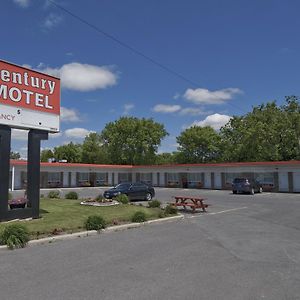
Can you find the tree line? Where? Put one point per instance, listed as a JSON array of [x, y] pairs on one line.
[[268, 133]]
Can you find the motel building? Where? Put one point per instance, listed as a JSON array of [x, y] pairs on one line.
[[281, 176]]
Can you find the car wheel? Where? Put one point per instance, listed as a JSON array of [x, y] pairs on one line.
[[252, 191], [148, 197], [234, 192]]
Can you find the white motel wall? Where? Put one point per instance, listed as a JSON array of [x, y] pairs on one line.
[[275, 176]]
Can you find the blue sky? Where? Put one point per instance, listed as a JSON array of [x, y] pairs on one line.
[[235, 54]]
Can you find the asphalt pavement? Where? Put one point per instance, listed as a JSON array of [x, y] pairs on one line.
[[244, 247]]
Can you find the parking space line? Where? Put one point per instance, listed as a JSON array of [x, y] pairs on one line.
[[220, 212], [227, 210]]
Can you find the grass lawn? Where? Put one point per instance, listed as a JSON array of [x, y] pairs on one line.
[[69, 216]]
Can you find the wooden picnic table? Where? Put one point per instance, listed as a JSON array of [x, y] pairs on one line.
[[190, 201]]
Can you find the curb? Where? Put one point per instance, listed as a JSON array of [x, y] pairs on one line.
[[94, 232]]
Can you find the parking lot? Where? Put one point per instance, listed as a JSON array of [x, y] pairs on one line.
[[244, 247]]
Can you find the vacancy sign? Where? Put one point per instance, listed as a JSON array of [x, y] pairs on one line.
[[28, 99]]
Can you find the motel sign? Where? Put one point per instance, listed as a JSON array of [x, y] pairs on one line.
[[29, 100]]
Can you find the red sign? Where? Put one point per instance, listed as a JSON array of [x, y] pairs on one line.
[[28, 89]]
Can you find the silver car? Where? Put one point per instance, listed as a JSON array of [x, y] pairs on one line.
[[246, 185]]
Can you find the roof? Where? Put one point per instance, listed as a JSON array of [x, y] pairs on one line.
[[102, 166], [56, 164]]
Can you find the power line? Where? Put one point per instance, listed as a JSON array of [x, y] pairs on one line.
[[132, 49]]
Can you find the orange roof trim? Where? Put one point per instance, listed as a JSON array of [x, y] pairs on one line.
[[232, 164]]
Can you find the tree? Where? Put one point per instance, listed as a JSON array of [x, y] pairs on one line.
[[93, 150], [46, 155], [70, 152], [15, 155], [131, 140], [292, 111], [198, 145], [268, 133], [165, 158]]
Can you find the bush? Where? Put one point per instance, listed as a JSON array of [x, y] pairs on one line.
[[154, 203], [170, 210], [122, 198], [162, 214], [14, 236], [71, 195], [53, 195], [95, 223], [139, 217], [101, 199]]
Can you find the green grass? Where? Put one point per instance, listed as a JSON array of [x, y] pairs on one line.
[[69, 216]]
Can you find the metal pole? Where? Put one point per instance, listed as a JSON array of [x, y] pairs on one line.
[[5, 135], [33, 169], [13, 178]]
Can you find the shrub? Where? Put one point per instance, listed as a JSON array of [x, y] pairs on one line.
[[53, 195], [101, 199], [139, 217], [122, 198], [170, 210], [14, 236], [154, 203], [95, 223], [161, 214], [71, 195]]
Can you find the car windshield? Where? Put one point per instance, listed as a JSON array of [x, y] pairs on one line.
[[238, 180], [122, 186]]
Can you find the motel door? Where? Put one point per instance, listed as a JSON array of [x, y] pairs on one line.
[[207, 180], [218, 181], [296, 181], [283, 181]]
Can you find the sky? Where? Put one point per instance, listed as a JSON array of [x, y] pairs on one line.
[[180, 62]]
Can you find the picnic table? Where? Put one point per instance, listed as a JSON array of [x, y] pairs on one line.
[[190, 201]]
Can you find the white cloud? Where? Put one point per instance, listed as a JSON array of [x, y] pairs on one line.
[[19, 134], [83, 77], [163, 108], [52, 21], [216, 121], [192, 111], [176, 96], [27, 66], [204, 96], [169, 144], [55, 135], [127, 108], [77, 132], [22, 3], [69, 115]]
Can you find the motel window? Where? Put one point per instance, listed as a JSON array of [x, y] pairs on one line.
[[194, 180], [123, 177], [194, 177], [53, 177], [146, 177], [230, 176], [83, 177], [265, 178], [101, 178], [173, 177]]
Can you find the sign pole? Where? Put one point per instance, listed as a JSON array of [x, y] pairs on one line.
[[5, 135], [33, 169]]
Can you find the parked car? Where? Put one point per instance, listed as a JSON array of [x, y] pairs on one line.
[[246, 185], [134, 191]]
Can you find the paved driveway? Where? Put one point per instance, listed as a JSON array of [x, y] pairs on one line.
[[245, 247]]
